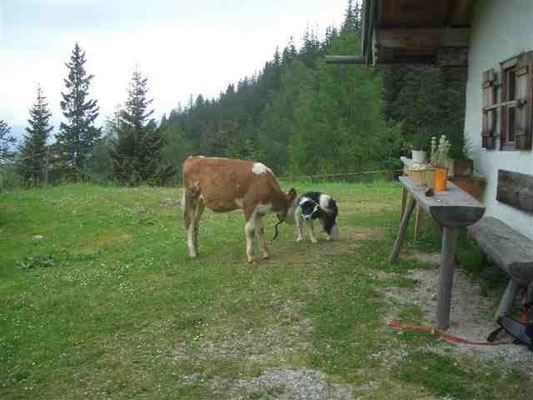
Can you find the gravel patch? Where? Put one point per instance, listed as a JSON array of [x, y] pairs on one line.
[[287, 384], [253, 346], [471, 312]]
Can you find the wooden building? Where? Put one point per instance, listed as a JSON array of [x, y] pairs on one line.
[[490, 43]]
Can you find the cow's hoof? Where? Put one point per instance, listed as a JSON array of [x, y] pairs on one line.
[[265, 256], [314, 241], [299, 239]]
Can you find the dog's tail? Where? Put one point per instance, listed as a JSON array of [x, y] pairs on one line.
[[335, 233]]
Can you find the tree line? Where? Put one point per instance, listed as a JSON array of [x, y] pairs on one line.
[[299, 115]]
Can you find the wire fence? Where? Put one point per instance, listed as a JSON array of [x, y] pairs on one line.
[[386, 172]]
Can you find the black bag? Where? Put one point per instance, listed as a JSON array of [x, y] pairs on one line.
[[522, 332]]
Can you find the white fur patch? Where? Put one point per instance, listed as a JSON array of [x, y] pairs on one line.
[[324, 202], [263, 208], [239, 203], [304, 199], [335, 233], [260, 168]]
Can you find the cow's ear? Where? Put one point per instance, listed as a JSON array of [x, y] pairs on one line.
[[291, 194]]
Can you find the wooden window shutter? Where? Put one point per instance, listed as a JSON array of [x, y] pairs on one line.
[[488, 130], [524, 98]]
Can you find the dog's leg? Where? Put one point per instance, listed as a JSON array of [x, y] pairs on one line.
[[311, 231], [299, 228]]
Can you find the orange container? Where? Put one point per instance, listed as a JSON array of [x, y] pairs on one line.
[[441, 175]]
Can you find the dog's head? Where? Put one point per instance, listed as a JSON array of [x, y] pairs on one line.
[[310, 208]]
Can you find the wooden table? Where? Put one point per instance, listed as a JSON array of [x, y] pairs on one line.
[[451, 209]]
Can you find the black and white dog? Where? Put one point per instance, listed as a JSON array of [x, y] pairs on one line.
[[317, 205]]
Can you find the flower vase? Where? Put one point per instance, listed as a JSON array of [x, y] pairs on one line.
[[441, 175]]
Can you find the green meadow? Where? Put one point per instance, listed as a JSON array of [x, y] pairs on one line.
[[98, 300]]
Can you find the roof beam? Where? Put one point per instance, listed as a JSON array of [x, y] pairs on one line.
[[344, 60], [422, 39]]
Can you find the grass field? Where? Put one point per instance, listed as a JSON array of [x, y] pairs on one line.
[[107, 305]]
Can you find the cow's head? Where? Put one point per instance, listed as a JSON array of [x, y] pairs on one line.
[[288, 214]]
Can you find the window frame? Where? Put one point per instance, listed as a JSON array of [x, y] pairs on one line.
[[507, 105]]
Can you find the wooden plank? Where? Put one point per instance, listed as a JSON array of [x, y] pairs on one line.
[[453, 208], [414, 13], [515, 189], [452, 57], [461, 12], [401, 232], [419, 39], [447, 268], [511, 250], [344, 60], [404, 201], [474, 185], [507, 299], [418, 222]]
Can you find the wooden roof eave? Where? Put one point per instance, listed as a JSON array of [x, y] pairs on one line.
[[367, 29], [443, 43]]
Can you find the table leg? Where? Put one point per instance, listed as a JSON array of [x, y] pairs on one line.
[[404, 200], [403, 228], [418, 221], [447, 267]]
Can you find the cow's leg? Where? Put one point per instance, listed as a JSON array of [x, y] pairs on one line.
[[197, 215], [250, 218], [190, 203], [299, 228], [311, 231], [260, 230], [249, 231]]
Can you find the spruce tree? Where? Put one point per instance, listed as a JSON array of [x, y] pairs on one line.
[[77, 136], [6, 141], [137, 153], [34, 151]]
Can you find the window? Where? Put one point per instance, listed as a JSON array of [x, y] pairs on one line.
[[508, 106], [510, 119]]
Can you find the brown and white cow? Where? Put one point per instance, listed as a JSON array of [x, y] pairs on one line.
[[223, 184]]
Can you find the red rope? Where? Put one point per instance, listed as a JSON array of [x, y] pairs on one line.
[[447, 336]]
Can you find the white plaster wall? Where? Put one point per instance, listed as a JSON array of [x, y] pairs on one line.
[[500, 30]]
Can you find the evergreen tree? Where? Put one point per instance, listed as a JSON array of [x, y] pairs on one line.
[[420, 99], [338, 125], [34, 151], [75, 141], [137, 153], [351, 18], [310, 50], [6, 141]]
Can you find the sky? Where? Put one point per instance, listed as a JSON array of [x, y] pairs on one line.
[[183, 47]]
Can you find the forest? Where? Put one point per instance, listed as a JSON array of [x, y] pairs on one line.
[[299, 115]]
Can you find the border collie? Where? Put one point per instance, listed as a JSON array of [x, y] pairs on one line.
[[317, 205]]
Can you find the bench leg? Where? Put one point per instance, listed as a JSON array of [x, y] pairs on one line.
[[508, 298], [447, 267], [401, 232]]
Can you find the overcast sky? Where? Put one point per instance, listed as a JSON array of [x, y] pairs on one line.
[[183, 47]]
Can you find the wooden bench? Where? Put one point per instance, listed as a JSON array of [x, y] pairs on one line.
[[511, 251]]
